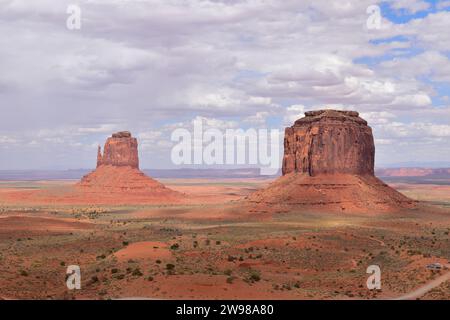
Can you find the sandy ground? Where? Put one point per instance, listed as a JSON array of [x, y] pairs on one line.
[[212, 247], [416, 294], [25, 225], [144, 250], [425, 192]]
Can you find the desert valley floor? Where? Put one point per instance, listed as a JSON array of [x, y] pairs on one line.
[[212, 248]]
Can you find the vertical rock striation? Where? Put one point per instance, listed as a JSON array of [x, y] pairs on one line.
[[328, 164], [329, 142], [121, 150], [117, 178]]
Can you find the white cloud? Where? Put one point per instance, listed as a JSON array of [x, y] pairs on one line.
[[215, 123], [259, 118], [412, 101], [433, 64], [150, 66], [5, 140], [412, 6], [104, 128], [375, 118], [294, 113], [443, 4], [383, 142], [415, 132]]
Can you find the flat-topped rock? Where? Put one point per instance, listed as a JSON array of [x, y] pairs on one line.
[[121, 150], [122, 134], [330, 115], [329, 142], [328, 165]]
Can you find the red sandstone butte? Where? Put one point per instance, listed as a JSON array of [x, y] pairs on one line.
[[327, 142], [117, 178], [121, 150], [328, 164]]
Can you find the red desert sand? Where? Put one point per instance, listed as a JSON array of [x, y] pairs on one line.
[[144, 250]]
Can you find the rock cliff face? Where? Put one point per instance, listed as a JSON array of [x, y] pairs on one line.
[[328, 165], [121, 150], [329, 142]]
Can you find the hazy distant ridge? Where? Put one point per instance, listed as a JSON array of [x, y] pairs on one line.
[[34, 175], [413, 172]]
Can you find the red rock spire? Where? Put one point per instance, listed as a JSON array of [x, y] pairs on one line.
[[99, 157]]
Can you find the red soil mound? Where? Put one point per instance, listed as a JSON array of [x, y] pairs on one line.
[[121, 185], [122, 180], [342, 192]]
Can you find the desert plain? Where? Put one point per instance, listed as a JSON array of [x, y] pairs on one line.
[[211, 245]]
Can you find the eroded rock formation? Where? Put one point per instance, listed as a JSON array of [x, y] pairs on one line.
[[328, 165], [327, 142], [117, 178], [121, 150]]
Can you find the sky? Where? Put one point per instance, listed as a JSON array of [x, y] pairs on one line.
[[152, 66]]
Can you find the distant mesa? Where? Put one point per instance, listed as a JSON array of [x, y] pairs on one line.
[[328, 164], [118, 177], [414, 172]]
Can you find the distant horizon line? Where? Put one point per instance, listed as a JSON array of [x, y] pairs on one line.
[[418, 166]]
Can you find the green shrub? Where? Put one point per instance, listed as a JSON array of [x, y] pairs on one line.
[[254, 276], [170, 266], [23, 273], [137, 272], [230, 280]]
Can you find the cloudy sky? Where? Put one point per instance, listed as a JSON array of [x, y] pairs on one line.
[[150, 66]]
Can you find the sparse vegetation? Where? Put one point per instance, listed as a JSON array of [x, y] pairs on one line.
[[254, 276], [170, 266], [137, 272], [286, 256], [24, 273]]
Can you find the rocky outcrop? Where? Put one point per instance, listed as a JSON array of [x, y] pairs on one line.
[[328, 165], [117, 178], [121, 150], [328, 142]]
